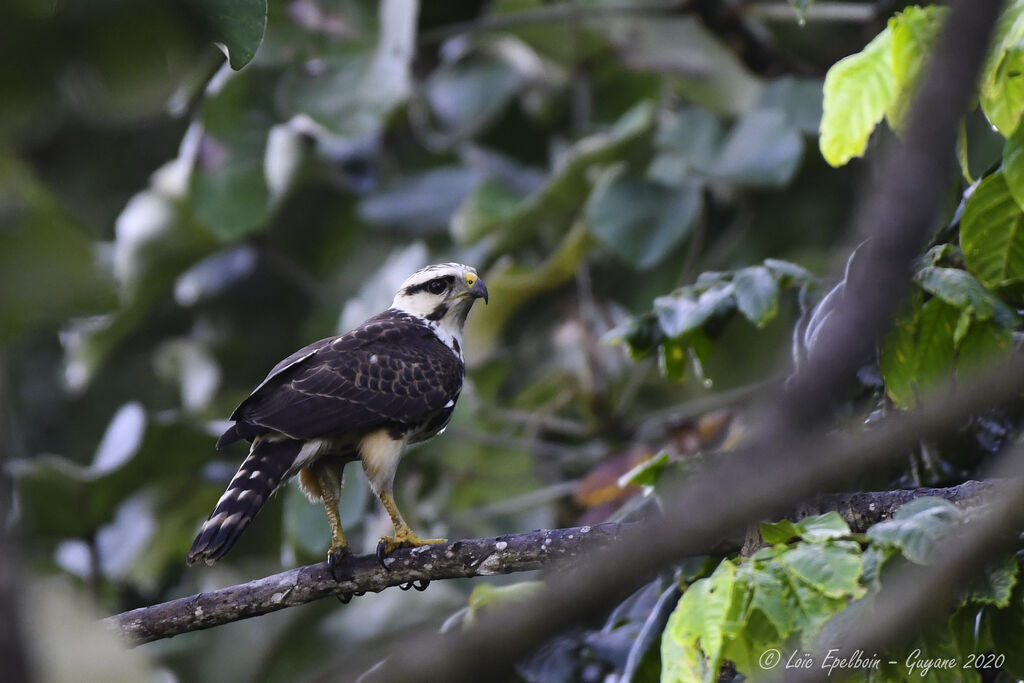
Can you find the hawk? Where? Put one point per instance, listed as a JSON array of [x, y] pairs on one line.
[[365, 395]]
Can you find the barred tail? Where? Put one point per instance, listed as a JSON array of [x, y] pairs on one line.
[[258, 477]]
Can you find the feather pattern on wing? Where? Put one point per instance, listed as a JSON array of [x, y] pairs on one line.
[[390, 372]]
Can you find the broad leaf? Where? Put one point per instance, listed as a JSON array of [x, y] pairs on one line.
[[829, 569], [859, 90], [919, 352], [757, 294], [961, 289], [1002, 80], [992, 233], [996, 584], [817, 528], [762, 149], [238, 25], [918, 528], [641, 221], [913, 33]]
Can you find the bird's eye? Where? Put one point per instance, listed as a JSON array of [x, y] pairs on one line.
[[435, 286]]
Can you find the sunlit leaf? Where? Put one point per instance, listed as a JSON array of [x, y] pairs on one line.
[[1002, 80], [859, 90], [914, 31]]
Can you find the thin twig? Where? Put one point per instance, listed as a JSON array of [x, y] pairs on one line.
[[821, 11]]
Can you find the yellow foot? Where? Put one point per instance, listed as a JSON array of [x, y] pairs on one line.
[[387, 544]]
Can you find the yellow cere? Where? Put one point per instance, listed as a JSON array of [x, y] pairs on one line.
[[471, 279]]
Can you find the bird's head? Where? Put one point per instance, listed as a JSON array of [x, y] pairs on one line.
[[442, 294]]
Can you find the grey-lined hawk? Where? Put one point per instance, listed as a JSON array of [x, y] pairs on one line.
[[365, 395]]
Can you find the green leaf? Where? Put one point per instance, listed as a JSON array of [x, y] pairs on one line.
[[681, 658], [814, 607], [789, 273], [1001, 91], [672, 359], [353, 92], [468, 94], [983, 344], [919, 352], [704, 611], [422, 202], [95, 492], [782, 531], [775, 599], [830, 569], [763, 149], [1013, 166], [757, 294], [961, 289], [674, 44], [48, 267], [913, 33], [859, 90], [486, 208], [875, 559], [646, 473], [688, 144], [798, 98], [992, 233], [686, 310], [237, 24], [557, 202], [816, 529], [1007, 631], [641, 221], [229, 189], [996, 584], [824, 527], [918, 528]]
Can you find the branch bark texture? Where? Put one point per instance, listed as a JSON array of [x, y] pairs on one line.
[[461, 559]]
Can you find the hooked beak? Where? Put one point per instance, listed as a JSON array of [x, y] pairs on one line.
[[479, 290]]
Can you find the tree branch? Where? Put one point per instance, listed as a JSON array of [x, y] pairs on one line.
[[461, 559]]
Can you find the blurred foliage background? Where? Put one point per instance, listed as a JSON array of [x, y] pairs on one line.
[[173, 222]]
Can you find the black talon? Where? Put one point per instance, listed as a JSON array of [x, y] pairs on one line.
[[380, 555], [334, 560], [406, 586], [421, 585], [344, 598]]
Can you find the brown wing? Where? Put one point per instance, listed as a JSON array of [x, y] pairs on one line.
[[391, 371]]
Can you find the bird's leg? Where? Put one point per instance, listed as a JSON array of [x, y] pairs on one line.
[[404, 537], [330, 486]]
